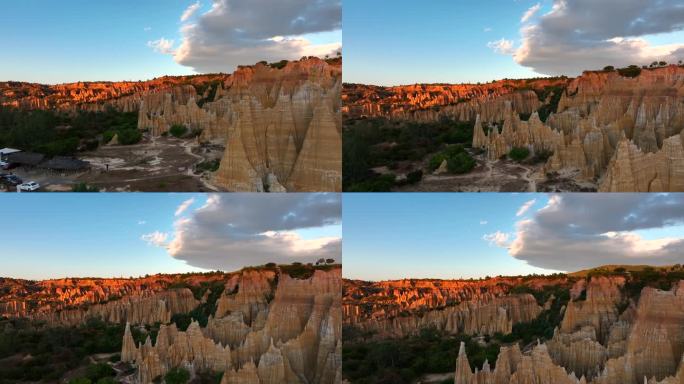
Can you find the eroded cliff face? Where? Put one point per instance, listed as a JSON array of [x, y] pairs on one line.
[[623, 132], [72, 301], [281, 127], [404, 307], [268, 328], [620, 133], [598, 342], [430, 102]]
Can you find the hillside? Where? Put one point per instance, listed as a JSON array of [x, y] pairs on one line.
[[610, 130], [268, 324], [603, 325]]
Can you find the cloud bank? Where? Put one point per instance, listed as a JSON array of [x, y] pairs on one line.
[[587, 34], [577, 231], [231, 231], [235, 32]]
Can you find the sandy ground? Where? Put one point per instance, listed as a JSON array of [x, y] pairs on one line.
[[157, 165], [498, 176]]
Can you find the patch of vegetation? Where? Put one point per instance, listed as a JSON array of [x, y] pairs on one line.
[[208, 166], [547, 109], [60, 133], [458, 160], [542, 327], [305, 271], [177, 375], [83, 187], [630, 71], [405, 360], [279, 64], [204, 310], [53, 351], [519, 154], [178, 130], [375, 142], [414, 176]]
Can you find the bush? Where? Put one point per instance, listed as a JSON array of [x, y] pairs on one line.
[[177, 376], [519, 154], [460, 163], [80, 380], [631, 71], [83, 187], [414, 177], [99, 371], [129, 136], [436, 161], [382, 183], [609, 68], [178, 130]]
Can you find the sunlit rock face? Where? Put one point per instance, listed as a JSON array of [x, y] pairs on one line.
[[621, 133], [281, 126], [268, 328], [404, 307], [596, 343]]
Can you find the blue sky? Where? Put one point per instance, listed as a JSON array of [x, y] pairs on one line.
[[122, 234], [113, 40], [452, 235], [65, 41], [393, 42]]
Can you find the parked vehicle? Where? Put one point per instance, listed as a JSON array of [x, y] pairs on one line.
[[29, 186]]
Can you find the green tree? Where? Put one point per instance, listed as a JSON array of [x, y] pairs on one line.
[[178, 130], [177, 376], [519, 154]]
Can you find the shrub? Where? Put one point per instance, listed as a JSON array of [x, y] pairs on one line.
[[208, 166], [436, 161], [129, 136], [178, 130], [519, 154], [98, 371], [80, 380], [83, 187], [460, 163], [177, 376], [609, 68], [631, 71], [414, 177]]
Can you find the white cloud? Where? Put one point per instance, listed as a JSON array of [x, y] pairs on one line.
[[483, 222], [578, 231], [525, 207], [147, 29], [235, 230], [190, 11], [487, 29], [162, 45], [588, 34], [142, 222], [236, 32], [155, 238], [530, 13], [503, 46], [184, 206], [497, 238]]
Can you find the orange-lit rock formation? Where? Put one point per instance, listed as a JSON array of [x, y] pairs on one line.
[[621, 133], [268, 328], [281, 127]]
